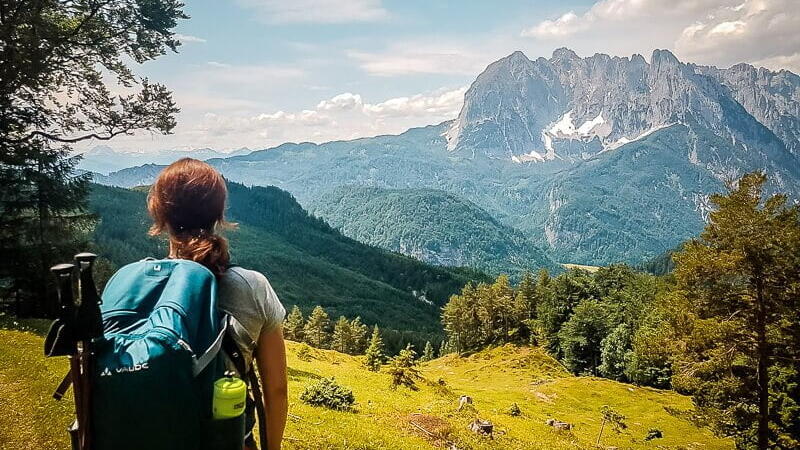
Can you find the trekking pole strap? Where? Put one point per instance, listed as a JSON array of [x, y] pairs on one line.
[[199, 364], [63, 387]]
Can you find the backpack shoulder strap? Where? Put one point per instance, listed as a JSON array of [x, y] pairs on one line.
[[262, 422], [201, 362], [237, 358]]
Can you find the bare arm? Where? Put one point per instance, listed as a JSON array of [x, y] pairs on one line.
[[271, 360]]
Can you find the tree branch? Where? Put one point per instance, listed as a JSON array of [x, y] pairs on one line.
[[53, 137]]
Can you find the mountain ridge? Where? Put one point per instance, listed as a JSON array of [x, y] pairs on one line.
[[433, 226]]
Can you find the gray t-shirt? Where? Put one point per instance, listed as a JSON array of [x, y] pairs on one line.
[[247, 296]]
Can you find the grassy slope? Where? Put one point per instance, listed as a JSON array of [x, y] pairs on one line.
[[383, 418]]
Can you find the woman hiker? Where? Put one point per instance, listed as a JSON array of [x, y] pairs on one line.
[[187, 202]]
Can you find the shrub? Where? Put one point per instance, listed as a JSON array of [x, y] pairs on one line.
[[653, 433], [304, 352], [328, 393], [514, 410]]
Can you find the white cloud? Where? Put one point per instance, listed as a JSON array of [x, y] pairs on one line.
[[763, 32], [317, 11], [425, 57], [718, 32], [344, 116], [184, 38], [565, 25], [623, 14]]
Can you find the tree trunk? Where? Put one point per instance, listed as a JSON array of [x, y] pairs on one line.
[[763, 375]]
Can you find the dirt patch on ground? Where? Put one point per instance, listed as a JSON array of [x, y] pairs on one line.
[[433, 429]]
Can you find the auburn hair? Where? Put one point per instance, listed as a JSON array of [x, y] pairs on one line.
[[187, 201]]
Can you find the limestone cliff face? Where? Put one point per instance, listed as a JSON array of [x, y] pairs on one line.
[[773, 98], [569, 108]]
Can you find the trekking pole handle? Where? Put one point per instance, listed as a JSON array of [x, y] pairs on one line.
[[88, 316], [63, 273], [85, 257]]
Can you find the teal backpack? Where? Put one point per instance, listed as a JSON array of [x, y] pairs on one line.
[[155, 365]]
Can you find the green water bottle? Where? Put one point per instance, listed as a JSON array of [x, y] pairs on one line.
[[230, 394]]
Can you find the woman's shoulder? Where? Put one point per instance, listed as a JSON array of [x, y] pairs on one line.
[[240, 276], [240, 287]]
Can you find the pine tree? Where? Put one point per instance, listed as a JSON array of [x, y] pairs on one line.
[[443, 348], [461, 320], [316, 330], [505, 319], [374, 356], [403, 369], [342, 336], [524, 309], [427, 354], [360, 333], [293, 325]]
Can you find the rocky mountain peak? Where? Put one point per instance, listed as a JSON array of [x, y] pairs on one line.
[[663, 57], [564, 54], [567, 108]]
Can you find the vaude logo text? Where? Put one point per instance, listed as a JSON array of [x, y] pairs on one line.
[[134, 368]]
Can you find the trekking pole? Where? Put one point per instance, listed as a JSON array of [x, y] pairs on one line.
[[61, 341], [88, 326]]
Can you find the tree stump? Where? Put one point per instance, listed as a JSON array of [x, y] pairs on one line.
[[484, 427], [463, 401], [558, 425]]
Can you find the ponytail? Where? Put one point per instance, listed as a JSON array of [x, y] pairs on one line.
[[208, 249]]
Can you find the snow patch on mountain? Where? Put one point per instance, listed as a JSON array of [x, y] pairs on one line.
[[533, 156], [624, 140], [565, 128]]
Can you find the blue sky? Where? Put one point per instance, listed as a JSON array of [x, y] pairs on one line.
[[256, 73]]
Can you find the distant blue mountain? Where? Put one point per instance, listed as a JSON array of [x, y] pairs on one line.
[[103, 159]]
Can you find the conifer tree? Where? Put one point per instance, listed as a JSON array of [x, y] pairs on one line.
[[403, 369], [427, 354], [524, 309], [293, 325], [443, 348], [461, 320], [342, 340], [374, 356], [740, 316], [504, 319], [360, 333], [316, 331]]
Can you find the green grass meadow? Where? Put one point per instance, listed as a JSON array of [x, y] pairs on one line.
[[393, 419]]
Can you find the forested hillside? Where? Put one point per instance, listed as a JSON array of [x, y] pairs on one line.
[[722, 327], [432, 225], [307, 261]]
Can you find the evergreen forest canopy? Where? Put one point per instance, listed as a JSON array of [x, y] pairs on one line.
[[432, 225], [724, 328]]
